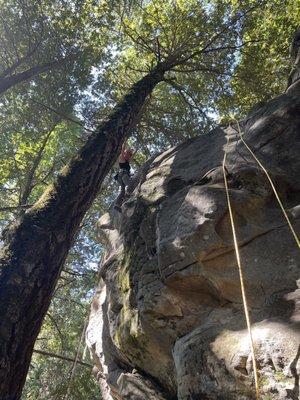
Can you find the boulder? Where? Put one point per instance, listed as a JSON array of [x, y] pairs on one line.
[[168, 319]]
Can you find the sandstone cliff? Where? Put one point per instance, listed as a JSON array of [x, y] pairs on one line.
[[168, 320]]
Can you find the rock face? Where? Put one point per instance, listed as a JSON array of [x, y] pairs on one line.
[[168, 320]]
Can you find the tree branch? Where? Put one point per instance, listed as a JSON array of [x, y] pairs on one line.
[[183, 93], [30, 177], [60, 114], [8, 82], [20, 61], [54, 323], [16, 208], [64, 358], [205, 48]]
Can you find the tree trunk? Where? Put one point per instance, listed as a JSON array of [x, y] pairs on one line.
[[36, 247]]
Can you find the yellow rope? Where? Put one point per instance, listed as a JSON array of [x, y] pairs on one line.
[[272, 185], [241, 274]]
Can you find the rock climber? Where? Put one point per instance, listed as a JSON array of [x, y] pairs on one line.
[[123, 175]]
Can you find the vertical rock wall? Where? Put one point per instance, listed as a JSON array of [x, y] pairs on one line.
[[168, 320]]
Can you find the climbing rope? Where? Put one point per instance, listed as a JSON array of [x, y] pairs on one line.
[[272, 185], [241, 275]]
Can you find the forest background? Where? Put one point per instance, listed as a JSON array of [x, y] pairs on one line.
[[64, 64]]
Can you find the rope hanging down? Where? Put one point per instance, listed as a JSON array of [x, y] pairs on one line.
[[272, 185], [241, 275]]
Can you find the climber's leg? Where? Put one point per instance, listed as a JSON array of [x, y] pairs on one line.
[[126, 178], [128, 183], [120, 198]]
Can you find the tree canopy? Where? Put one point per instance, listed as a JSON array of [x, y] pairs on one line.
[[64, 65]]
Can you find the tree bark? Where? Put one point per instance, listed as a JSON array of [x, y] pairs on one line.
[[36, 247], [9, 81]]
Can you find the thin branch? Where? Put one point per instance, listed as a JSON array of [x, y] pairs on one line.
[[4, 189], [56, 326], [20, 61], [60, 114], [29, 184], [71, 300], [9, 35], [162, 27], [139, 40], [47, 174], [232, 47], [64, 358], [205, 48], [16, 208], [203, 69], [72, 374], [64, 285], [127, 66], [158, 49], [67, 271], [183, 93]]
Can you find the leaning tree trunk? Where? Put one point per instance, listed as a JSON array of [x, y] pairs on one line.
[[36, 247]]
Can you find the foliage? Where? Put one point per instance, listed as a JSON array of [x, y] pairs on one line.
[[35, 33], [229, 55], [263, 68]]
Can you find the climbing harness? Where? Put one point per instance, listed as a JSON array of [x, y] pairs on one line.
[[241, 275], [272, 185]]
